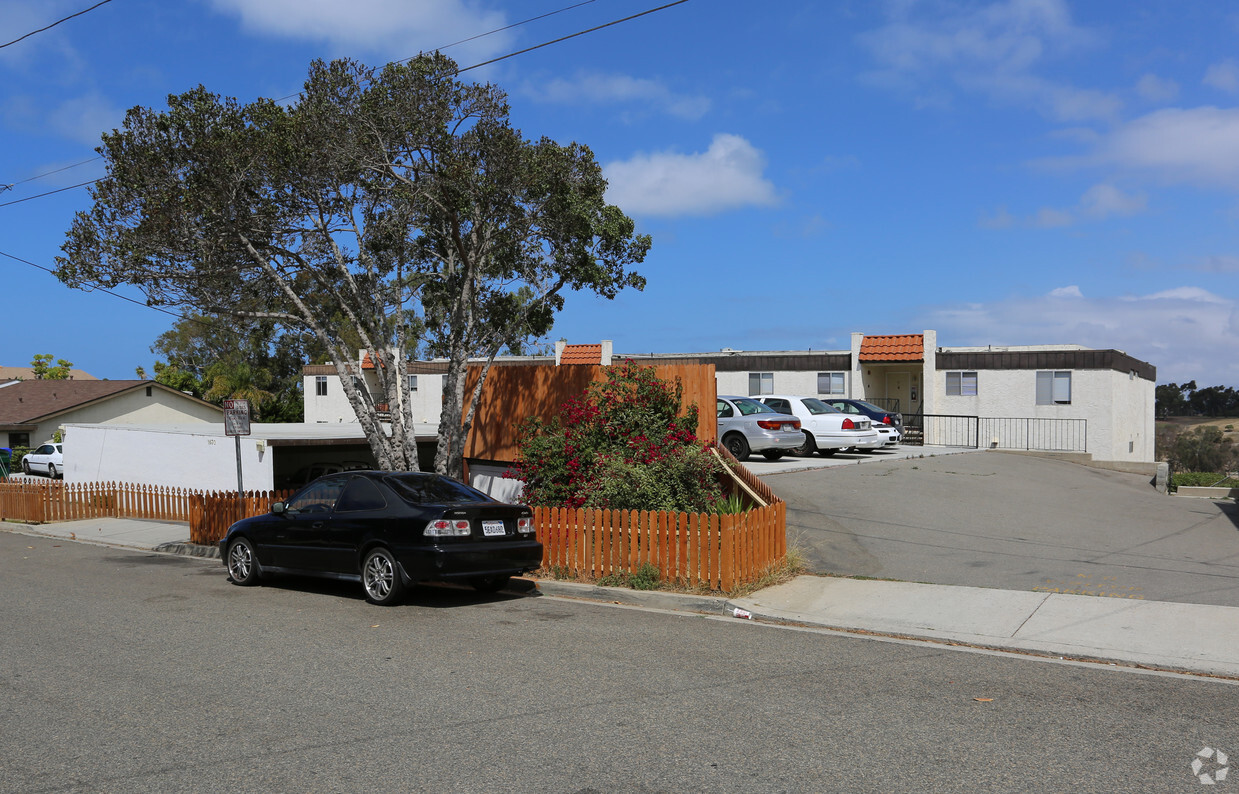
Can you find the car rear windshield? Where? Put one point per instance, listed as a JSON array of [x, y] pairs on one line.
[[816, 406], [870, 406], [746, 407], [433, 489]]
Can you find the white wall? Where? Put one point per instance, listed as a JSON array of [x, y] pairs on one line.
[[785, 382], [177, 457], [425, 405], [133, 408], [1118, 408]]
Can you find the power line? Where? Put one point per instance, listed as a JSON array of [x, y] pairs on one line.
[[458, 71], [281, 99], [569, 36], [54, 24]]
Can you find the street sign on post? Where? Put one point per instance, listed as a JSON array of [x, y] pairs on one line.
[[237, 424]]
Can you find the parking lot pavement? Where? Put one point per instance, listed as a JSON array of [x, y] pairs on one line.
[[790, 463]]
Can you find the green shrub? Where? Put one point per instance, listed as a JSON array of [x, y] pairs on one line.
[[623, 445], [1202, 479], [1205, 449]]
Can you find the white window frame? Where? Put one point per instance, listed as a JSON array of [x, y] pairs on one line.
[[320, 385], [836, 383], [761, 383], [412, 384], [1054, 387], [961, 384]]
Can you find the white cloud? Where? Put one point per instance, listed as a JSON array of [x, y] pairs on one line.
[[993, 50], [1098, 203], [1157, 89], [618, 89], [1198, 145], [1223, 75], [1186, 332], [726, 176], [85, 118], [393, 28]]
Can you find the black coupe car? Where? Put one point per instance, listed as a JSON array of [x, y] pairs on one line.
[[388, 530]]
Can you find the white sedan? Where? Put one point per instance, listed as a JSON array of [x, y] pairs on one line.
[[826, 429], [48, 458]]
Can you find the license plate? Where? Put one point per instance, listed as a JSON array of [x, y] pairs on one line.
[[789, 428], [493, 528]]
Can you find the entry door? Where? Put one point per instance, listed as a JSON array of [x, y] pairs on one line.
[[898, 386]]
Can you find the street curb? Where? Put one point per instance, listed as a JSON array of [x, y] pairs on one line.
[[187, 549], [655, 599]]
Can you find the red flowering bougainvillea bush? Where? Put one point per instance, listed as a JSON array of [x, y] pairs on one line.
[[623, 446]]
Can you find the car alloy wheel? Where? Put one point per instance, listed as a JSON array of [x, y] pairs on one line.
[[242, 566], [51, 470], [381, 579], [25, 466], [808, 447]]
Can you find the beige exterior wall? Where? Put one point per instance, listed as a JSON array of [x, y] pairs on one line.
[[134, 408]]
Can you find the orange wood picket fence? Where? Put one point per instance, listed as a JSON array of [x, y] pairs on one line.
[[208, 514], [717, 551]]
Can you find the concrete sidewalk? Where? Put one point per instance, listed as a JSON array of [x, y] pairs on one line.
[[1182, 637]]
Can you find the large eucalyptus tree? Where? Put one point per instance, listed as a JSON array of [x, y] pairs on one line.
[[396, 210]]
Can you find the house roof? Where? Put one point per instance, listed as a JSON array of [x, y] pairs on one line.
[[581, 354], [33, 401], [27, 373], [899, 347]]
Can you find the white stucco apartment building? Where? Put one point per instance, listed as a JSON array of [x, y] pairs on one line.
[[1058, 398]]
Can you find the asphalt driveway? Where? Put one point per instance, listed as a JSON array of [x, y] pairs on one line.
[[1016, 522]]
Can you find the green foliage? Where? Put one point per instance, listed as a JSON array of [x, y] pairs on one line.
[[624, 446], [1182, 400], [646, 577], [392, 210], [1202, 479], [1204, 449], [730, 505], [43, 369]]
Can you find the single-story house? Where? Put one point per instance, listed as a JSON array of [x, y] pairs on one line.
[[202, 457], [31, 411], [1060, 398]]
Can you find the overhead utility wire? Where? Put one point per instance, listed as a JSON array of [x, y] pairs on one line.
[[453, 44], [57, 22], [569, 36]]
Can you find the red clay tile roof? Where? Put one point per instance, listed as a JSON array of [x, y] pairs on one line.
[[904, 347], [366, 361], [581, 354]]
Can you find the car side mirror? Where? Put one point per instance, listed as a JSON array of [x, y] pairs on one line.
[[279, 508]]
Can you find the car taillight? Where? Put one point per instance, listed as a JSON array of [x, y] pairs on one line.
[[448, 527], [848, 424], [777, 424], [886, 420], [524, 525]]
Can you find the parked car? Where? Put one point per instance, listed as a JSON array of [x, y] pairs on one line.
[[888, 423], [825, 429], [747, 425], [388, 531], [47, 459]]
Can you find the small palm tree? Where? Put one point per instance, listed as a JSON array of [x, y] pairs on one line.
[[238, 382]]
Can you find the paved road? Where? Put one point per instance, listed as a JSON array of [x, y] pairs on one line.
[[1014, 522], [124, 671]]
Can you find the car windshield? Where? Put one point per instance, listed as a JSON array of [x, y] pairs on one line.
[[433, 489], [747, 407], [816, 406]]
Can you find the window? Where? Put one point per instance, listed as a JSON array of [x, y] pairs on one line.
[[360, 494], [761, 383], [148, 391], [830, 383], [412, 383], [961, 384], [724, 410], [19, 440], [1053, 388], [320, 386]]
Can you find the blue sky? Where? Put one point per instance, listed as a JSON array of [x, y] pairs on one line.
[[1014, 172]]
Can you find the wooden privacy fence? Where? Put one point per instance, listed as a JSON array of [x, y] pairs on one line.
[[209, 514], [717, 551]]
